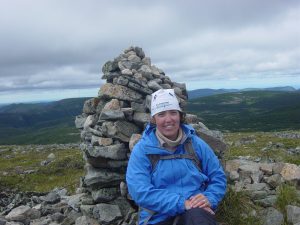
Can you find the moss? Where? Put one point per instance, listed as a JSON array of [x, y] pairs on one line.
[[64, 171]]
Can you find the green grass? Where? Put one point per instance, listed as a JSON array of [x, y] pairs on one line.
[[264, 146], [48, 135], [236, 209], [64, 171], [287, 195]]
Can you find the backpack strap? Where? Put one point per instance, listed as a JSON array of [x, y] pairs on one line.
[[190, 154], [188, 146]]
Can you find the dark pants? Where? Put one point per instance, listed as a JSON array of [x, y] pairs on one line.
[[195, 216]]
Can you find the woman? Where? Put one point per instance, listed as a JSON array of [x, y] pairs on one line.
[[172, 186]]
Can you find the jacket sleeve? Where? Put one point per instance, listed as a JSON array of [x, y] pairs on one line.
[[212, 168], [145, 195]]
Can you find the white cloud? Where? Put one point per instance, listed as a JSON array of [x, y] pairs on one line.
[[62, 45]]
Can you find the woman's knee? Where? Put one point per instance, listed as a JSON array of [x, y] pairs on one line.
[[198, 216]]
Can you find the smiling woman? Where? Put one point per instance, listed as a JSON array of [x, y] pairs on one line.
[[172, 174]]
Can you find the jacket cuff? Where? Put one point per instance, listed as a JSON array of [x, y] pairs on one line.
[[180, 204]]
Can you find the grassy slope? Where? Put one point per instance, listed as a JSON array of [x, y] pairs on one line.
[[65, 171]]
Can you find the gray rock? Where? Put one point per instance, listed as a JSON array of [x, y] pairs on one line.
[[290, 172], [117, 152], [274, 180], [22, 214], [84, 220], [127, 72], [51, 157], [112, 115], [234, 175], [271, 216], [2, 221], [109, 66], [138, 107], [101, 177], [256, 195], [269, 201], [133, 140], [79, 121], [139, 52], [74, 201], [267, 168], [123, 189], [122, 81], [191, 119], [71, 218], [119, 92], [106, 213], [90, 121], [153, 85], [146, 61], [105, 194], [51, 198], [14, 223], [57, 217], [146, 72], [293, 214], [256, 187], [90, 105], [251, 171], [41, 221], [105, 141], [87, 210], [139, 88], [141, 118], [121, 130]]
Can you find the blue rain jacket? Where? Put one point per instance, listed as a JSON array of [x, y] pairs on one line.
[[165, 188]]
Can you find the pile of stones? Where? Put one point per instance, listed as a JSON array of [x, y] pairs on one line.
[[261, 182], [112, 123]]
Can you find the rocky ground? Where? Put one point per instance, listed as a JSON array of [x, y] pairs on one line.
[[260, 176]]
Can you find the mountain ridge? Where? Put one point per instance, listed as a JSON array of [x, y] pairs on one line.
[[209, 91], [53, 122]]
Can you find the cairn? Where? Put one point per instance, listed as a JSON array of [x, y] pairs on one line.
[[112, 123]]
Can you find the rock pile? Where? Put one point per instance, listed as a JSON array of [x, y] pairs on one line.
[[53, 208], [112, 123], [261, 181]]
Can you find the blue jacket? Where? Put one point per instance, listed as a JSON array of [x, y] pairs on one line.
[[165, 189]]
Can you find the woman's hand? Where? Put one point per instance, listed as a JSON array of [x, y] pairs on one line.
[[200, 201]]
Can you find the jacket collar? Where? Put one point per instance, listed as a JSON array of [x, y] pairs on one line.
[[152, 145]]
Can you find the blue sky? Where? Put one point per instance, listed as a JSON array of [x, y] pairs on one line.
[[55, 49]]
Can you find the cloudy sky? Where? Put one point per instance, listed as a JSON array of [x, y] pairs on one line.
[[54, 49]]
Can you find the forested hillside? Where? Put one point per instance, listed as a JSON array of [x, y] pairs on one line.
[[40, 123], [53, 122], [250, 110]]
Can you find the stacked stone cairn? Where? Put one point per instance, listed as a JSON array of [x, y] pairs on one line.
[[112, 123]]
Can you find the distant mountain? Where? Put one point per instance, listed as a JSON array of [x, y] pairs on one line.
[[249, 110], [208, 92], [40, 123], [53, 122]]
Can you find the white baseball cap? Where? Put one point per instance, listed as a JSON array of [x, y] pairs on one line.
[[163, 100]]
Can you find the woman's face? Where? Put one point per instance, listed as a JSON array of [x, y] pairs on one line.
[[168, 122]]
